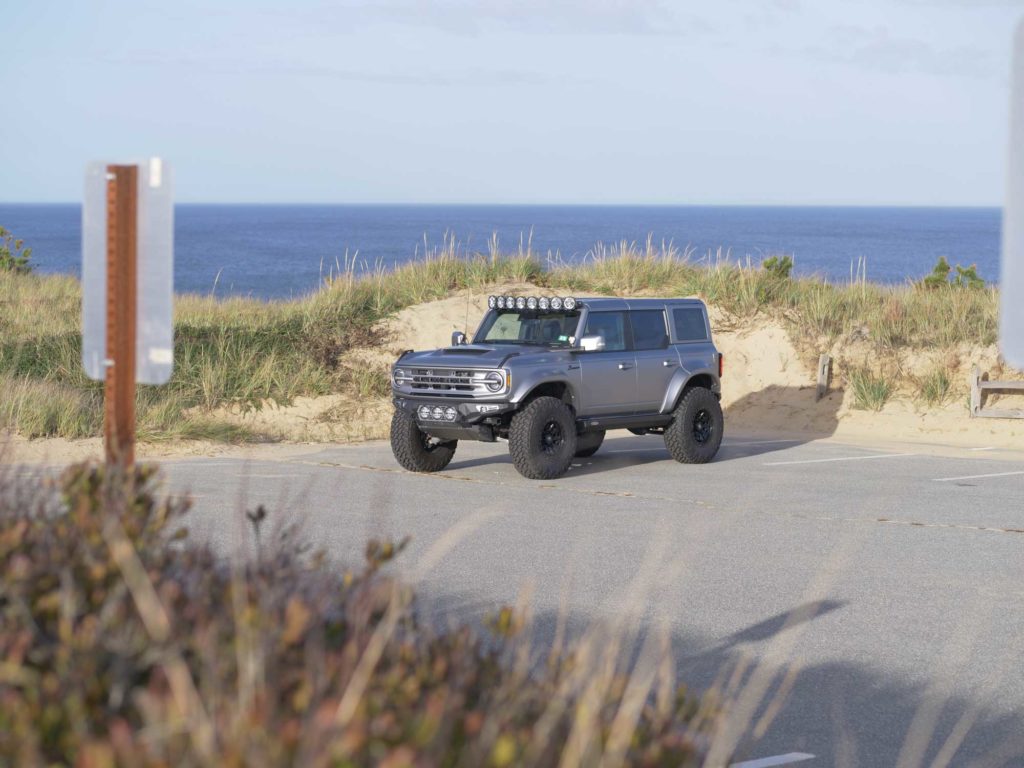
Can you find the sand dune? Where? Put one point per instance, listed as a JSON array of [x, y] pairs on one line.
[[768, 389]]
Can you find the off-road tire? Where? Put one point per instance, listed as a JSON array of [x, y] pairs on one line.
[[413, 449], [696, 430], [588, 443], [542, 439]]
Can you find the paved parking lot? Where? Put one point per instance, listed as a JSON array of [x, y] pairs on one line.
[[890, 576]]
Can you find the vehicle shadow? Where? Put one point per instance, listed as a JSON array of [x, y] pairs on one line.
[[773, 419]]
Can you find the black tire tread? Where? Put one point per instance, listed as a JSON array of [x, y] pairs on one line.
[[588, 443], [679, 435], [407, 446], [521, 444]]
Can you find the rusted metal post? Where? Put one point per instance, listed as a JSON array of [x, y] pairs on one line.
[[122, 279]]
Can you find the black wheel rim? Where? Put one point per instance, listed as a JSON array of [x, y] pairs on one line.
[[702, 426], [552, 438]]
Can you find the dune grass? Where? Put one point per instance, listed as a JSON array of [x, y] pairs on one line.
[[243, 352]]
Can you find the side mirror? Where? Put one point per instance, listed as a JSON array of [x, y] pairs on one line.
[[592, 343], [458, 337]]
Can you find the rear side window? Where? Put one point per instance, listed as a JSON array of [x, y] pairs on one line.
[[649, 330], [610, 325], [689, 324]]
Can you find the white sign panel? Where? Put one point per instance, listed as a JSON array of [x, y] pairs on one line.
[[1011, 330], [154, 341]]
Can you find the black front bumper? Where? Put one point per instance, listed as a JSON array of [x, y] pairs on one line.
[[470, 422]]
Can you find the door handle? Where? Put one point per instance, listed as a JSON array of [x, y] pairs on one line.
[[624, 366], [574, 366], [668, 363]]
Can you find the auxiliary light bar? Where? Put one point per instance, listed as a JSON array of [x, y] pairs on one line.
[[542, 303]]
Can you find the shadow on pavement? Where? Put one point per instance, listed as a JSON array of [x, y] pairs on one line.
[[843, 712]]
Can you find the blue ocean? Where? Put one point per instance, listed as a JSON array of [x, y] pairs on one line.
[[281, 251]]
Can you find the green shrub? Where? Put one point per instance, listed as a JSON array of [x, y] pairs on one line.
[[122, 643], [14, 255], [965, 277], [778, 267], [870, 392]]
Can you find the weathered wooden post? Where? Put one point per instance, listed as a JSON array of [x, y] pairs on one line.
[[824, 376], [122, 304]]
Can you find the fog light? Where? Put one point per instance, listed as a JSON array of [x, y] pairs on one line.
[[437, 413], [450, 413], [424, 412]]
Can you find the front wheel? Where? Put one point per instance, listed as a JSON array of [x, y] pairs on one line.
[[696, 430], [415, 450], [542, 439]]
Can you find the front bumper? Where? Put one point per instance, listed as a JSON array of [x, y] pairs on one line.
[[473, 420]]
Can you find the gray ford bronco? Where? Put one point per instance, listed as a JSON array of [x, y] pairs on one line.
[[552, 375]]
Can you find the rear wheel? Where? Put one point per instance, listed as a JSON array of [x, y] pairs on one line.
[[542, 439], [588, 443], [414, 449], [696, 431]]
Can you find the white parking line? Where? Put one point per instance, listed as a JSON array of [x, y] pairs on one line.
[[841, 458], [976, 477], [762, 442], [765, 762]]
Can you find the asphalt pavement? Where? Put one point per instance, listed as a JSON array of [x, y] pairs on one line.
[[887, 578]]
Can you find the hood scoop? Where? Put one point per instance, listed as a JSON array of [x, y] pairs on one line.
[[467, 350]]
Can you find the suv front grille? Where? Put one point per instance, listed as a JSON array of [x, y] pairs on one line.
[[450, 381]]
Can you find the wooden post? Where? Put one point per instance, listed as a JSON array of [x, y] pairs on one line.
[[122, 280], [824, 376], [975, 390]]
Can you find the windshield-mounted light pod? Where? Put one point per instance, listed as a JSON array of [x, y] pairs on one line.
[[531, 303], [521, 303], [569, 302], [556, 303], [500, 302], [492, 302], [544, 303]]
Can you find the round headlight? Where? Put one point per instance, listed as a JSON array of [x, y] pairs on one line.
[[544, 303], [424, 411], [494, 381], [400, 376], [500, 302], [492, 302], [556, 303], [436, 412], [521, 303], [450, 413], [569, 302], [531, 303]]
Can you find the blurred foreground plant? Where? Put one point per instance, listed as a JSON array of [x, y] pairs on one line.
[[122, 643]]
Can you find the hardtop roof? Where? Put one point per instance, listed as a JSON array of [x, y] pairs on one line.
[[607, 304]]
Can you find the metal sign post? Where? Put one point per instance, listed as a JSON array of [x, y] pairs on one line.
[[127, 290], [122, 282]]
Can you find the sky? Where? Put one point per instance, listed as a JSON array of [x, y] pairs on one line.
[[821, 102]]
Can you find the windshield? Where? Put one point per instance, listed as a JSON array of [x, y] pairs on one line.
[[547, 328]]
